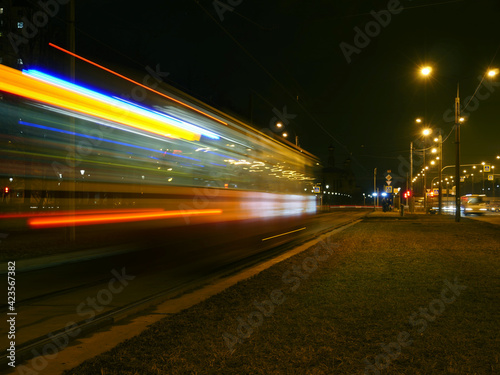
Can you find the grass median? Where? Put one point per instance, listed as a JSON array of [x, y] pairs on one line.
[[390, 296]]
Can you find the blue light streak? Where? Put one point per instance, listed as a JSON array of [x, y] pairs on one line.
[[119, 103], [21, 122]]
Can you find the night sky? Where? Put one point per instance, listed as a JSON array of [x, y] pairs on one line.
[[258, 57]]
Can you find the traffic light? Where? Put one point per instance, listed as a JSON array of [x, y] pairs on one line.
[[6, 190], [407, 194]]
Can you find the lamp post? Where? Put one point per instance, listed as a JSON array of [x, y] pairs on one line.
[[458, 120], [412, 199], [457, 156], [490, 73], [482, 178], [285, 135], [439, 140], [411, 177], [425, 132]]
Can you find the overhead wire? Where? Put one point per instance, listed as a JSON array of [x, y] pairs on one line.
[[259, 64]]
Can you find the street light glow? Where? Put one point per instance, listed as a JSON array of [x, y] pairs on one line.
[[492, 72], [426, 131], [426, 70]]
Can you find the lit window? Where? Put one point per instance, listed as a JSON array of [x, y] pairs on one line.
[[20, 25], [1, 10]]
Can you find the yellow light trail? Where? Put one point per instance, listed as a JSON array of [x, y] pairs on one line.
[[93, 219], [282, 234], [14, 82], [136, 83]]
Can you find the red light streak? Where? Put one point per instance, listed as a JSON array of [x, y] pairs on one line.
[[79, 212], [93, 219], [136, 83]]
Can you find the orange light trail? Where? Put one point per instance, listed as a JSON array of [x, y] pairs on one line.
[[13, 81], [136, 83], [78, 212], [65, 221]]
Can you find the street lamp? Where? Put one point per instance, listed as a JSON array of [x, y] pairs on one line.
[[285, 135], [458, 120], [426, 70], [439, 140], [492, 72], [426, 132]]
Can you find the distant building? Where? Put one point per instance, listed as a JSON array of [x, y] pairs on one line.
[[339, 184]]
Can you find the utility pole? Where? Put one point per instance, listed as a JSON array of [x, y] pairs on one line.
[[440, 196], [411, 177], [457, 156], [425, 183]]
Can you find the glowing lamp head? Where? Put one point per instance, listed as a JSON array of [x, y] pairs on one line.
[[426, 70], [492, 72]]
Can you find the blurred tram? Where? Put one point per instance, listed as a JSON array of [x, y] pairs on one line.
[[73, 156]]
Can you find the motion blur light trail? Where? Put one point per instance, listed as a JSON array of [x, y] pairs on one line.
[[17, 83], [136, 83], [79, 212], [118, 102], [93, 219], [72, 156]]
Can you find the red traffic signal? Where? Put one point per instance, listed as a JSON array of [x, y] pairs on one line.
[[6, 190], [407, 194]]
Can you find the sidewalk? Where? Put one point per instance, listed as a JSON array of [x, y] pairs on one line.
[[412, 296]]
